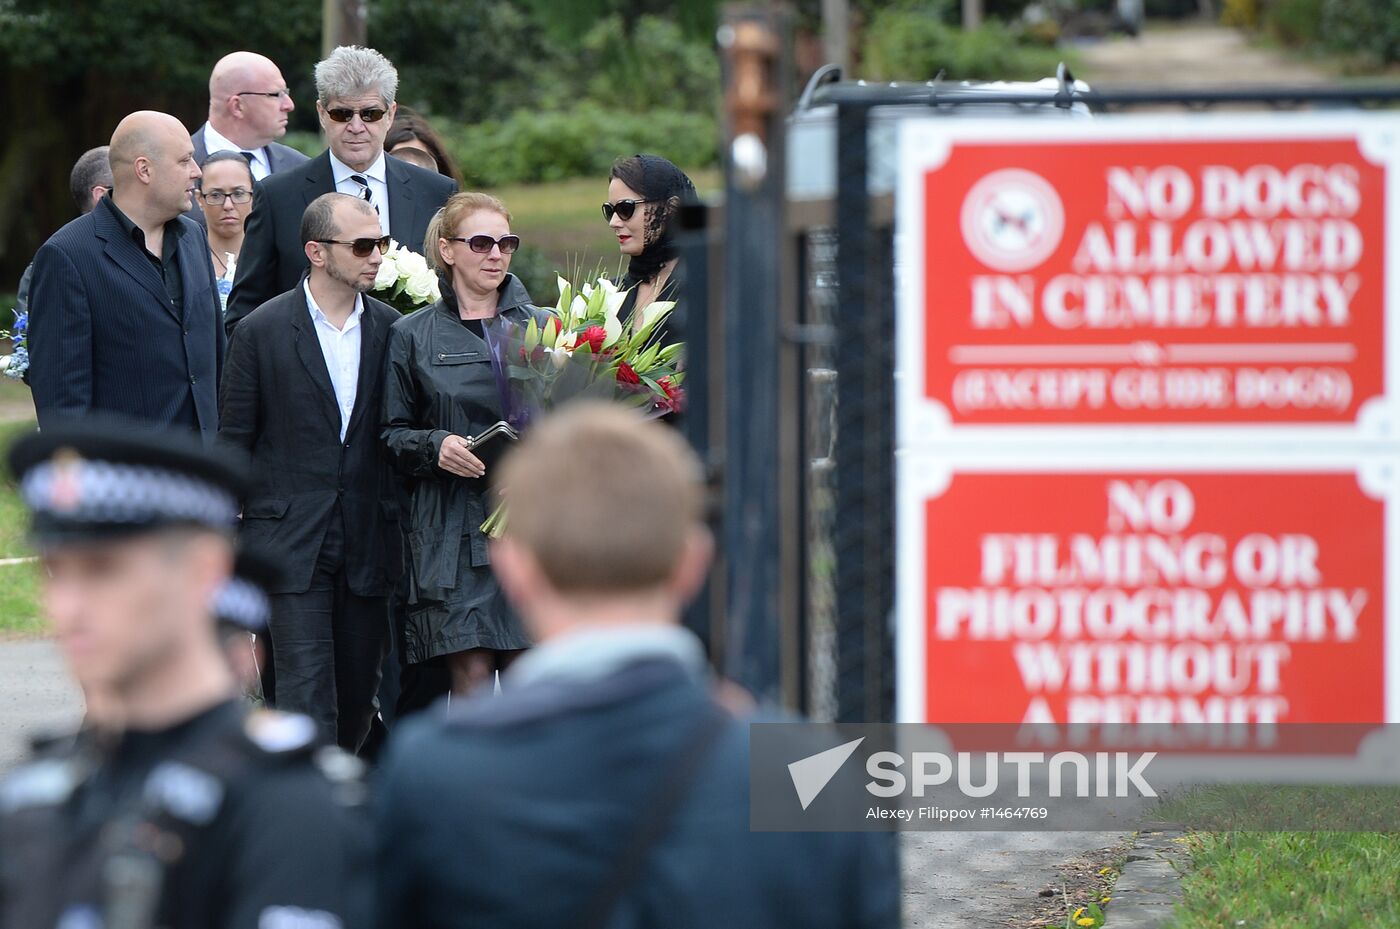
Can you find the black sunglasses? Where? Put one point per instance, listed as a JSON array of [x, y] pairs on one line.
[[361, 248], [623, 208], [343, 114], [482, 244]]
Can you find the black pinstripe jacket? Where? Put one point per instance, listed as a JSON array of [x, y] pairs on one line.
[[106, 337]]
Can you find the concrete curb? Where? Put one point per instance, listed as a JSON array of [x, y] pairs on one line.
[[1149, 885]]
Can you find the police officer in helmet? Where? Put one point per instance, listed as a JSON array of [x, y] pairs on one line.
[[176, 807]]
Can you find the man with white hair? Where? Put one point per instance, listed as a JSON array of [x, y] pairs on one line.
[[355, 91]]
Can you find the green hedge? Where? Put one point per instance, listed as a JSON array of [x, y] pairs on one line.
[[1364, 30], [914, 44], [530, 147]]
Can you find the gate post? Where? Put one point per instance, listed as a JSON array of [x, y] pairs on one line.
[[754, 42]]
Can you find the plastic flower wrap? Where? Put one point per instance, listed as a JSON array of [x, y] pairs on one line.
[[405, 281], [584, 350], [17, 363]]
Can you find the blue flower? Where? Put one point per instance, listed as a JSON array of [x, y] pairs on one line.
[[18, 362]]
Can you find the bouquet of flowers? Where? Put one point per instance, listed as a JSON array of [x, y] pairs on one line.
[[405, 281], [583, 350], [17, 363]]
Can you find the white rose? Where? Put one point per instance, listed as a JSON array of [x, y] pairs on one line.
[[411, 263], [388, 274], [422, 286]]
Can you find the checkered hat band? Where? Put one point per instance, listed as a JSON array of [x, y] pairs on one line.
[[102, 492], [242, 603]]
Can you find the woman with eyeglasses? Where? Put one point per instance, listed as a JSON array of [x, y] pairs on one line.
[[440, 390], [644, 193], [226, 196]]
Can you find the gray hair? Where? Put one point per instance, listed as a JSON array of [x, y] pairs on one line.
[[318, 222], [351, 71], [93, 169]]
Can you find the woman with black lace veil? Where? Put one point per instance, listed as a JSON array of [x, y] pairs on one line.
[[644, 192]]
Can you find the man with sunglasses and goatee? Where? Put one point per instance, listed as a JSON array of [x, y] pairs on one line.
[[302, 389], [355, 89]]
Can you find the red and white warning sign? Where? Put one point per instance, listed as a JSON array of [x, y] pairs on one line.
[[1127, 597], [1148, 272]]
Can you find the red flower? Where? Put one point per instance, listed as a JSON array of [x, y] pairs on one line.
[[625, 374], [593, 337], [675, 396]]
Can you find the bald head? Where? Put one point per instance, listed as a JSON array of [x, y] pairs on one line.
[[247, 100], [236, 69], [153, 166]]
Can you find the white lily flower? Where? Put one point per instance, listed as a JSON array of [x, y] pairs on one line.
[[578, 310], [654, 311]]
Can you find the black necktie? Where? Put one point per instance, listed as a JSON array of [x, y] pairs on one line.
[[365, 194], [248, 156]]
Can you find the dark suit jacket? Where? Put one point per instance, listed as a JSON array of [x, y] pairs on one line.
[[277, 403], [280, 157], [108, 338], [518, 805], [272, 258]]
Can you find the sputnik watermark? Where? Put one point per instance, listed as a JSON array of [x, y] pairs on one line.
[[807, 777], [1112, 771]]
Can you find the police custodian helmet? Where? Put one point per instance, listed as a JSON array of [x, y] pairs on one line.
[[102, 478]]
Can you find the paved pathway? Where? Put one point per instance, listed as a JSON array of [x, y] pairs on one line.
[[36, 695], [1185, 56], [987, 879]]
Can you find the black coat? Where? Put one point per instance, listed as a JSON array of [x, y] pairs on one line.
[[272, 259], [107, 338], [278, 404], [286, 833], [441, 382]]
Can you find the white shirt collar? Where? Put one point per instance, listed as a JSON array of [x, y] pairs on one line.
[[214, 141], [592, 653], [341, 171], [319, 316]]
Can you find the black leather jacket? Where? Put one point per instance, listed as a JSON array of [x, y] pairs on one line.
[[440, 382]]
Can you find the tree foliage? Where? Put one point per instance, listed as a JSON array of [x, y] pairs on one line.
[[468, 59]]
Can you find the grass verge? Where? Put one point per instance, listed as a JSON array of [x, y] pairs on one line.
[[562, 219], [1263, 879], [1291, 880], [19, 583]]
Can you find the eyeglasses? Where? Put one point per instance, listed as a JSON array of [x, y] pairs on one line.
[[482, 244], [279, 94], [623, 208], [343, 114], [216, 197], [361, 248]]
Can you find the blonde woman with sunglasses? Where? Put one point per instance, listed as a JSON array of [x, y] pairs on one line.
[[442, 389]]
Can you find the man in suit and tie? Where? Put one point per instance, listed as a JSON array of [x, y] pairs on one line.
[[355, 90], [606, 770], [129, 319], [301, 394], [248, 107]]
